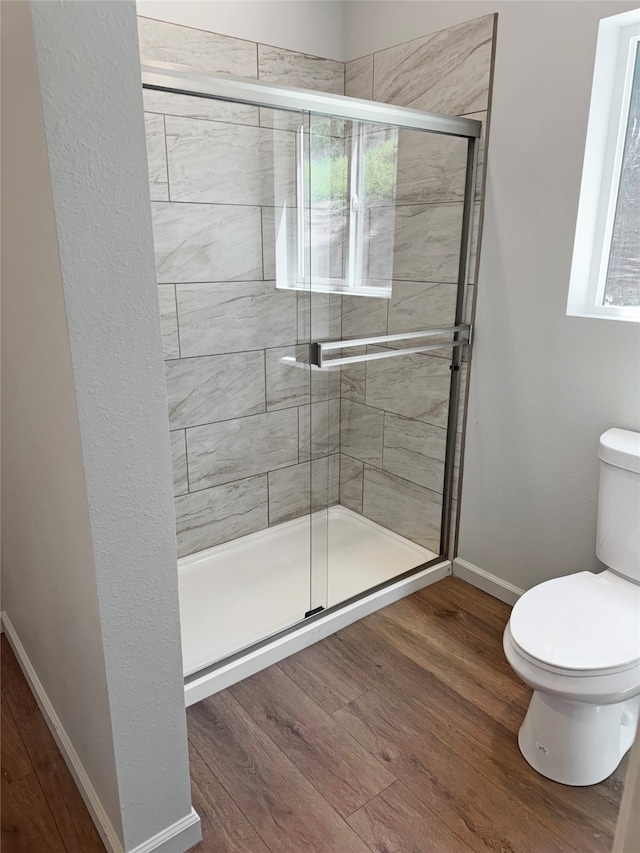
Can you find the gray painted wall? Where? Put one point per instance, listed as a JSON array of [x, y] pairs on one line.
[[91, 558], [543, 386]]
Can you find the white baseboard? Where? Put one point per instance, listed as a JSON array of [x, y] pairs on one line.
[[180, 836], [200, 688], [487, 582], [174, 839]]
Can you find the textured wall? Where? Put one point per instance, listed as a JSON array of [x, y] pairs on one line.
[[92, 105], [48, 581]]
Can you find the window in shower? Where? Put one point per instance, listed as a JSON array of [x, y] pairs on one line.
[[346, 176]]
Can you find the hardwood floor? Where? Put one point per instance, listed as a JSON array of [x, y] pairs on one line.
[[396, 735]]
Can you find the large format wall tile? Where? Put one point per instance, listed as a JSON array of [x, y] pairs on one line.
[[206, 242], [358, 78], [319, 317], [363, 316], [403, 507], [361, 429], [215, 388], [210, 52], [351, 483], [416, 305], [188, 106], [446, 72], [427, 242], [234, 317], [156, 157], [290, 384], [319, 429], [219, 453], [213, 516], [415, 451], [309, 486], [415, 386], [168, 320], [431, 168], [290, 68], [179, 462], [230, 163]]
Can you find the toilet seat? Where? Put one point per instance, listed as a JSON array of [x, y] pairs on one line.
[[582, 624]]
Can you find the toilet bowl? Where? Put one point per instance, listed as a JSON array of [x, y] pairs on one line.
[[576, 640]]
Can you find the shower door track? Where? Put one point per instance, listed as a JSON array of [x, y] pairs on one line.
[[168, 77]]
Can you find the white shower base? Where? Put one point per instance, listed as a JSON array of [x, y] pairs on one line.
[[238, 593]]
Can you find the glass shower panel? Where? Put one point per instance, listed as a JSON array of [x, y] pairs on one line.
[[382, 440], [222, 176]]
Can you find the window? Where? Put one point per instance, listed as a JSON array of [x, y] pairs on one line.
[[605, 272]]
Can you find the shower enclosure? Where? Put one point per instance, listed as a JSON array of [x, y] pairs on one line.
[[313, 397]]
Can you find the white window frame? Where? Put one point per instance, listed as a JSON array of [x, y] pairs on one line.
[[618, 39]]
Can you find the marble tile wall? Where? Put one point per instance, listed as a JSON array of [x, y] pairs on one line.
[[394, 412], [252, 436]]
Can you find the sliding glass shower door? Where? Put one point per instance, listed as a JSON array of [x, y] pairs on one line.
[[312, 273]]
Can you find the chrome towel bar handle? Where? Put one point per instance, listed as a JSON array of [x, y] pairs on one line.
[[318, 349]]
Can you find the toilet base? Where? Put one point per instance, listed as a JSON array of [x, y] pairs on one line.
[[576, 743]]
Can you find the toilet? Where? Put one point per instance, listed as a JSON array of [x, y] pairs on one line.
[[576, 639]]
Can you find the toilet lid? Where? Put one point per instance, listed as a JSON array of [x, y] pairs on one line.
[[580, 622]]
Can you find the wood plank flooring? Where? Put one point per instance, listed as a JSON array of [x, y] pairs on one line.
[[396, 735]]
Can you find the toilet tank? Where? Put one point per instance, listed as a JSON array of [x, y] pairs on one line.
[[618, 535]]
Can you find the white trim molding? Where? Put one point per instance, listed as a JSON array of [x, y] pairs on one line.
[[176, 838], [495, 586], [199, 687], [618, 40]]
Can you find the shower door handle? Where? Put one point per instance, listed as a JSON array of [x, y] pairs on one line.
[[319, 349]]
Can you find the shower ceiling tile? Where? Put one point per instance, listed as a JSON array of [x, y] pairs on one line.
[[156, 157], [222, 452], [213, 516], [230, 163], [361, 429], [179, 462], [215, 388], [403, 507], [415, 386], [415, 451], [168, 320], [198, 49], [234, 317], [206, 242], [187, 106], [446, 72], [290, 68]]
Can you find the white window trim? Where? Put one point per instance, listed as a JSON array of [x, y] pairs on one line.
[[618, 38]]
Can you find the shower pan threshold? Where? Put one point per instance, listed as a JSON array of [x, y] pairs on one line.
[[239, 593]]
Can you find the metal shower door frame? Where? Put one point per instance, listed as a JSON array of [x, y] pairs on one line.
[[179, 79]]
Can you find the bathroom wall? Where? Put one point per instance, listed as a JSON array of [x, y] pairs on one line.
[[240, 419], [394, 413], [247, 431], [88, 565], [543, 385]]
